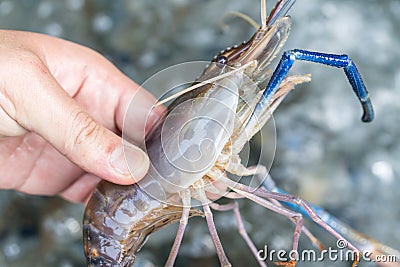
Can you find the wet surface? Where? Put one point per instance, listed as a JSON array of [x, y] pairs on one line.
[[325, 154]]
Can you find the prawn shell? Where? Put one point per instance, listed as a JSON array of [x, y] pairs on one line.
[[117, 221]]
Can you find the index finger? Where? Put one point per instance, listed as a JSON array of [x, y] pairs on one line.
[[103, 90]]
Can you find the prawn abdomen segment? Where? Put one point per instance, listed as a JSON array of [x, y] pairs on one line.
[[108, 217], [154, 221], [118, 221]]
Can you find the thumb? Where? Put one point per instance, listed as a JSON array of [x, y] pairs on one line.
[[44, 107]]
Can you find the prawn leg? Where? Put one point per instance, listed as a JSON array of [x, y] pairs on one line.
[[243, 190], [333, 60], [258, 195], [211, 225], [294, 216], [366, 243], [185, 196], [260, 173], [240, 225]]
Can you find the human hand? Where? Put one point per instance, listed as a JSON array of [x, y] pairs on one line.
[[62, 108]]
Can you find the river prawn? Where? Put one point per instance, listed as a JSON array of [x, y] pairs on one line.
[[198, 141]]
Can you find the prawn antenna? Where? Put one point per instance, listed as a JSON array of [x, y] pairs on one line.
[[264, 24], [201, 83], [241, 15], [280, 10]]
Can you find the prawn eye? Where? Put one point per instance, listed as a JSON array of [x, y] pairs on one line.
[[221, 61]]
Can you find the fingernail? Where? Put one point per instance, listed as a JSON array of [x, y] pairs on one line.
[[129, 161]]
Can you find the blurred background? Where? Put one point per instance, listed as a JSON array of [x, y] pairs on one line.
[[324, 154]]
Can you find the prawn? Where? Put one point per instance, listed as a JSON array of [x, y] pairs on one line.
[[197, 142]]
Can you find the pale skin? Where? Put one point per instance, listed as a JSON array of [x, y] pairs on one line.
[[62, 109]]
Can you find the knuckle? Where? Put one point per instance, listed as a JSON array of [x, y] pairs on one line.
[[84, 130], [31, 62]]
